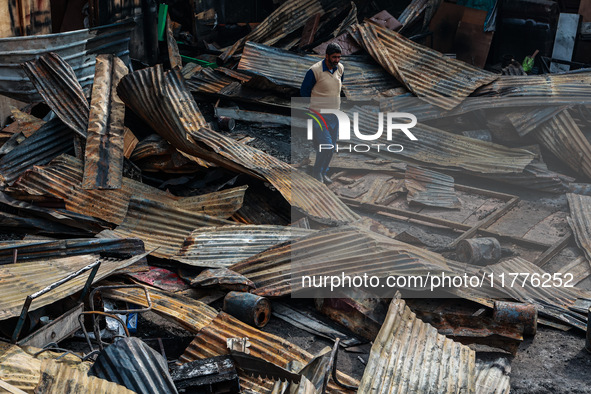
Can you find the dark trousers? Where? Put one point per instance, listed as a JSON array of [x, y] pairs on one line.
[[324, 136]]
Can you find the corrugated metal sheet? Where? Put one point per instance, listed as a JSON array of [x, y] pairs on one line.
[[571, 86], [47, 249], [332, 252], [103, 164], [364, 80], [442, 148], [427, 73], [78, 48], [162, 100], [160, 225], [56, 82], [562, 136], [492, 376], [192, 314], [50, 141], [286, 19], [416, 8], [223, 246], [18, 368], [63, 178], [536, 176], [580, 221], [133, 364], [409, 356], [430, 188], [208, 80], [17, 281], [57, 377], [211, 341]]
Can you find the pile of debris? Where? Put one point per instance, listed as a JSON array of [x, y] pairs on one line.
[[147, 241]]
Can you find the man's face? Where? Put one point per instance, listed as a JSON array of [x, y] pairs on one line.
[[333, 60]]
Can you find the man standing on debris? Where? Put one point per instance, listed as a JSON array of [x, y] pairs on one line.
[[322, 84]]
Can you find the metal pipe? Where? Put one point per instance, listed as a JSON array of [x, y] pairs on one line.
[[249, 308]]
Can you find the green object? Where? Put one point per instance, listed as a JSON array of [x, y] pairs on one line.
[[199, 61], [528, 62], [162, 12]]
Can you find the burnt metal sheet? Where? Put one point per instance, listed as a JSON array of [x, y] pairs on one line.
[[430, 188], [162, 100], [416, 8], [492, 376], [103, 164], [334, 250], [23, 123], [212, 341], [20, 280], [427, 73], [192, 314], [30, 250], [364, 80], [410, 356], [223, 246], [562, 136], [580, 221], [548, 86], [131, 363], [18, 368], [161, 225], [78, 48], [63, 178], [208, 80], [56, 81], [286, 19], [51, 140], [57, 377], [442, 148]]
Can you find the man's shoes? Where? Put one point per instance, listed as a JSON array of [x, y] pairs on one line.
[[326, 179]]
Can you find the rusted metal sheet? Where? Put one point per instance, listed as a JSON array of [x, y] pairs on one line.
[[103, 164], [19, 368], [223, 246], [192, 314], [562, 136], [79, 48], [56, 81], [24, 123], [275, 271], [430, 188], [208, 80], [161, 225], [286, 19], [25, 18], [364, 80], [442, 148], [580, 221], [51, 140], [212, 341], [63, 178], [155, 154], [21, 280], [57, 377], [24, 251], [492, 376], [410, 356], [162, 100], [131, 363], [427, 73], [571, 86], [160, 278], [414, 10]]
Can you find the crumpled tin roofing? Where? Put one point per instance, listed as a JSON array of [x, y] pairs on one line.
[[409, 356], [62, 178], [17, 281], [163, 101], [430, 188], [363, 79], [571, 86], [562, 136], [286, 19], [103, 163], [223, 246], [78, 48], [29, 250], [580, 221], [427, 73], [131, 363], [492, 376], [334, 251], [56, 82], [160, 225], [51, 140]]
